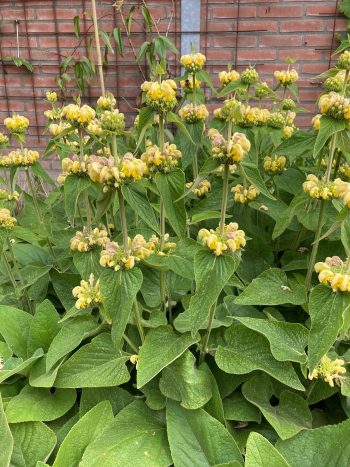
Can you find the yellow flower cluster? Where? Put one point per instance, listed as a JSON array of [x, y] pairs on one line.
[[73, 167], [114, 255], [343, 190], [344, 169], [253, 116], [329, 370], [78, 116], [157, 160], [233, 151], [334, 105], [249, 76], [334, 83], [51, 96], [334, 272], [230, 111], [288, 131], [244, 195], [106, 102], [316, 122], [57, 128], [17, 124], [187, 84], [89, 239], [114, 173], [286, 77], [193, 62], [5, 196], [113, 121], [192, 113], [160, 96], [95, 128], [343, 61], [87, 293], [274, 164], [320, 189], [6, 220], [19, 158], [53, 114], [231, 240], [227, 77], [4, 141], [200, 190], [276, 120]]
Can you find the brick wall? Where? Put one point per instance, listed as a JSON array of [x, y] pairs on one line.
[[244, 32]]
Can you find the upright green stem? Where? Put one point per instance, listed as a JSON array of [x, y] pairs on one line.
[[123, 219], [162, 220], [86, 193], [204, 349], [114, 148], [37, 210], [224, 199], [161, 132], [315, 246]]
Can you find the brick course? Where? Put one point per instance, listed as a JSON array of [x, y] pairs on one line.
[[265, 34]]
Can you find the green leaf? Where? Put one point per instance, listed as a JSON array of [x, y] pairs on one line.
[[197, 439], [6, 440], [137, 433], [287, 340], [141, 205], [173, 118], [252, 173], [168, 44], [285, 218], [86, 430], [329, 126], [39, 404], [14, 328], [183, 382], [237, 408], [73, 188], [33, 442], [118, 40], [208, 269], [87, 263], [261, 453], [327, 446], [171, 187], [76, 22], [72, 333], [118, 397], [155, 400], [152, 360], [272, 287], [246, 350], [288, 417], [39, 377], [298, 145], [119, 290], [326, 309], [97, 364], [15, 366], [106, 40], [43, 327], [147, 17]]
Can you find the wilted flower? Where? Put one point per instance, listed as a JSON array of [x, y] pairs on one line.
[[87, 293], [192, 113], [89, 239], [193, 62], [231, 240]]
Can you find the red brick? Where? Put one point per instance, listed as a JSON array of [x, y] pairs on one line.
[[280, 11], [302, 25], [230, 41], [282, 40], [259, 25], [256, 55], [321, 10], [318, 40], [301, 54], [231, 11]]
